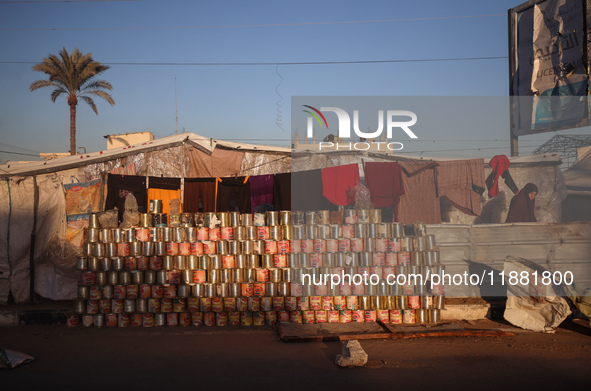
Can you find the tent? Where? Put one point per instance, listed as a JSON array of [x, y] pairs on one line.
[[38, 226], [33, 204]]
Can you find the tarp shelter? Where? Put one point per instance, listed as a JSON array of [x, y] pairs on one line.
[[577, 205], [33, 204], [38, 226]]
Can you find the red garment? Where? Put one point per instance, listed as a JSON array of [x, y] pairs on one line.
[[499, 164], [384, 181], [337, 181]]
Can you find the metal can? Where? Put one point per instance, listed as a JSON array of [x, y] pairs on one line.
[[409, 316]]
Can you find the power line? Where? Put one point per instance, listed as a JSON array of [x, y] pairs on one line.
[[14, 146], [19, 153], [285, 63], [61, 1], [251, 25]]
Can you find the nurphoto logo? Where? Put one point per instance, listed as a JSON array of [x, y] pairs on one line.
[[394, 119]]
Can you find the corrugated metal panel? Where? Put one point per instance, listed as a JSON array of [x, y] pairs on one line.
[[563, 247]]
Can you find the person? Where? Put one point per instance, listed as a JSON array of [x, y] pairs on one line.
[[522, 207]]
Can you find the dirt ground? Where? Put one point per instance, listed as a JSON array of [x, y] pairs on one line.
[[183, 358]]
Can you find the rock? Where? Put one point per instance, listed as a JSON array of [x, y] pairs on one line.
[[353, 355]]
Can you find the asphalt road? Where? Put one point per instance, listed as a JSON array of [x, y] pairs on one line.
[[254, 358]]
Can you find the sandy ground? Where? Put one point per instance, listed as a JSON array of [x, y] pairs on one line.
[[179, 358]]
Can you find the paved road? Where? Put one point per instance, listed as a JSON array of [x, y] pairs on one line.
[[224, 358]]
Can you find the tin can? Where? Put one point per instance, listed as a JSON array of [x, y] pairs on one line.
[[262, 275], [290, 303], [295, 317], [179, 304], [197, 318], [246, 318], [159, 219], [350, 216], [209, 319], [298, 232], [229, 304], [303, 303], [142, 234], [193, 304], [409, 316], [205, 304], [263, 233], [234, 318], [434, 315], [133, 320], [275, 232], [155, 233], [438, 302], [172, 319], [396, 316], [345, 316], [270, 247], [344, 245], [258, 318], [259, 289], [280, 261]]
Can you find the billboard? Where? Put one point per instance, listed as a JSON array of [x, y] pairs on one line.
[[549, 65]]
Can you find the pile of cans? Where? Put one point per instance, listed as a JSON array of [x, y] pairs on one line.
[[232, 268]]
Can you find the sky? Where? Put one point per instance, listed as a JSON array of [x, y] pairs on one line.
[[229, 69]]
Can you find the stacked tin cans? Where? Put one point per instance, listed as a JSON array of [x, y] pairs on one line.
[[253, 269]]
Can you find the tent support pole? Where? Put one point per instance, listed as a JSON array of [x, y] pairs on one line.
[[33, 240]]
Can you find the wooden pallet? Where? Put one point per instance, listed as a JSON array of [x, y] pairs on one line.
[[323, 332]]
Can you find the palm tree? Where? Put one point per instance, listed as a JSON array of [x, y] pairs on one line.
[[74, 75]]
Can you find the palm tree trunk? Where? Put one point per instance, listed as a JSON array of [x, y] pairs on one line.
[[72, 129]]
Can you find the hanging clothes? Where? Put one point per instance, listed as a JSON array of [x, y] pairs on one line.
[[199, 195], [221, 163], [306, 191], [118, 186], [165, 189], [233, 194], [282, 191], [419, 203], [338, 181], [385, 184], [461, 182], [261, 192], [500, 168]]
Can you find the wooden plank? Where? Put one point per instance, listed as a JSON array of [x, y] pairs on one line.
[[305, 333]]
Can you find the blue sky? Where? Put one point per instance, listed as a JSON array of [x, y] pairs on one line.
[[236, 102]]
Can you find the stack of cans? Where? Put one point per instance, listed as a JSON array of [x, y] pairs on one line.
[[232, 268]]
